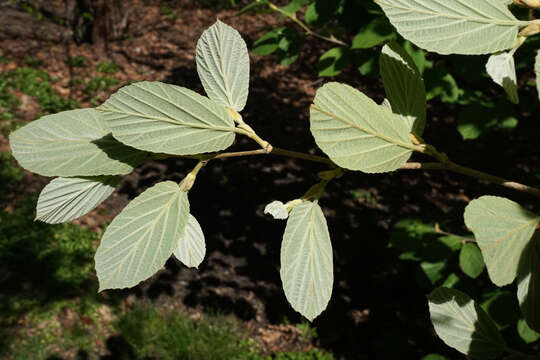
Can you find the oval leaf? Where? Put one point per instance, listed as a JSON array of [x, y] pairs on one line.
[[72, 143], [356, 133], [502, 70], [454, 27], [464, 325], [528, 281], [471, 261], [223, 65], [191, 246], [169, 119], [526, 333], [142, 237], [307, 269], [65, 199], [404, 86], [502, 229]]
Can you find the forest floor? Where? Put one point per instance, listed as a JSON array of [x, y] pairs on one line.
[[376, 300]]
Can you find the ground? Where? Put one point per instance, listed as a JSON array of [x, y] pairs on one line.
[[375, 301]]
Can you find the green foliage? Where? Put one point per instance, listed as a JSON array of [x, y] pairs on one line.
[[99, 83], [78, 61], [45, 262], [32, 82], [107, 67], [470, 260], [172, 335], [479, 118]]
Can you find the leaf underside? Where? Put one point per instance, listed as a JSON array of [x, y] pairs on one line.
[[464, 325], [191, 248], [164, 118], [223, 65], [65, 199], [502, 229], [468, 27], [356, 133], [404, 86], [306, 260], [142, 237], [72, 143], [502, 70]]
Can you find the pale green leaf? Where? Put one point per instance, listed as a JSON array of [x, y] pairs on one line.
[[502, 229], [72, 143], [526, 333], [191, 246], [223, 65], [164, 118], [65, 199], [537, 71], [142, 237], [277, 209], [471, 261], [528, 283], [502, 70], [404, 86], [468, 27], [356, 133], [464, 325], [306, 260]]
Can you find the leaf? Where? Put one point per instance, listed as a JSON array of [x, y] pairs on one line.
[[502, 307], [377, 32], [72, 143], [168, 119], [502, 229], [471, 261], [253, 6], [455, 27], [321, 11], [502, 70], [306, 260], [332, 62], [478, 119], [65, 199], [277, 209], [464, 325], [404, 86], [223, 65], [142, 237], [191, 246], [439, 82], [356, 133], [268, 43], [526, 333], [537, 71], [528, 283]]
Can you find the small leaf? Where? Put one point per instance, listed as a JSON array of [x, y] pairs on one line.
[[169, 119], [502, 229], [526, 333], [142, 237], [457, 27], [528, 282], [277, 209], [306, 260], [65, 199], [502, 70], [268, 43], [332, 62], [464, 325], [356, 133], [72, 143], [404, 86], [191, 246], [253, 6], [223, 65], [471, 261], [377, 32]]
